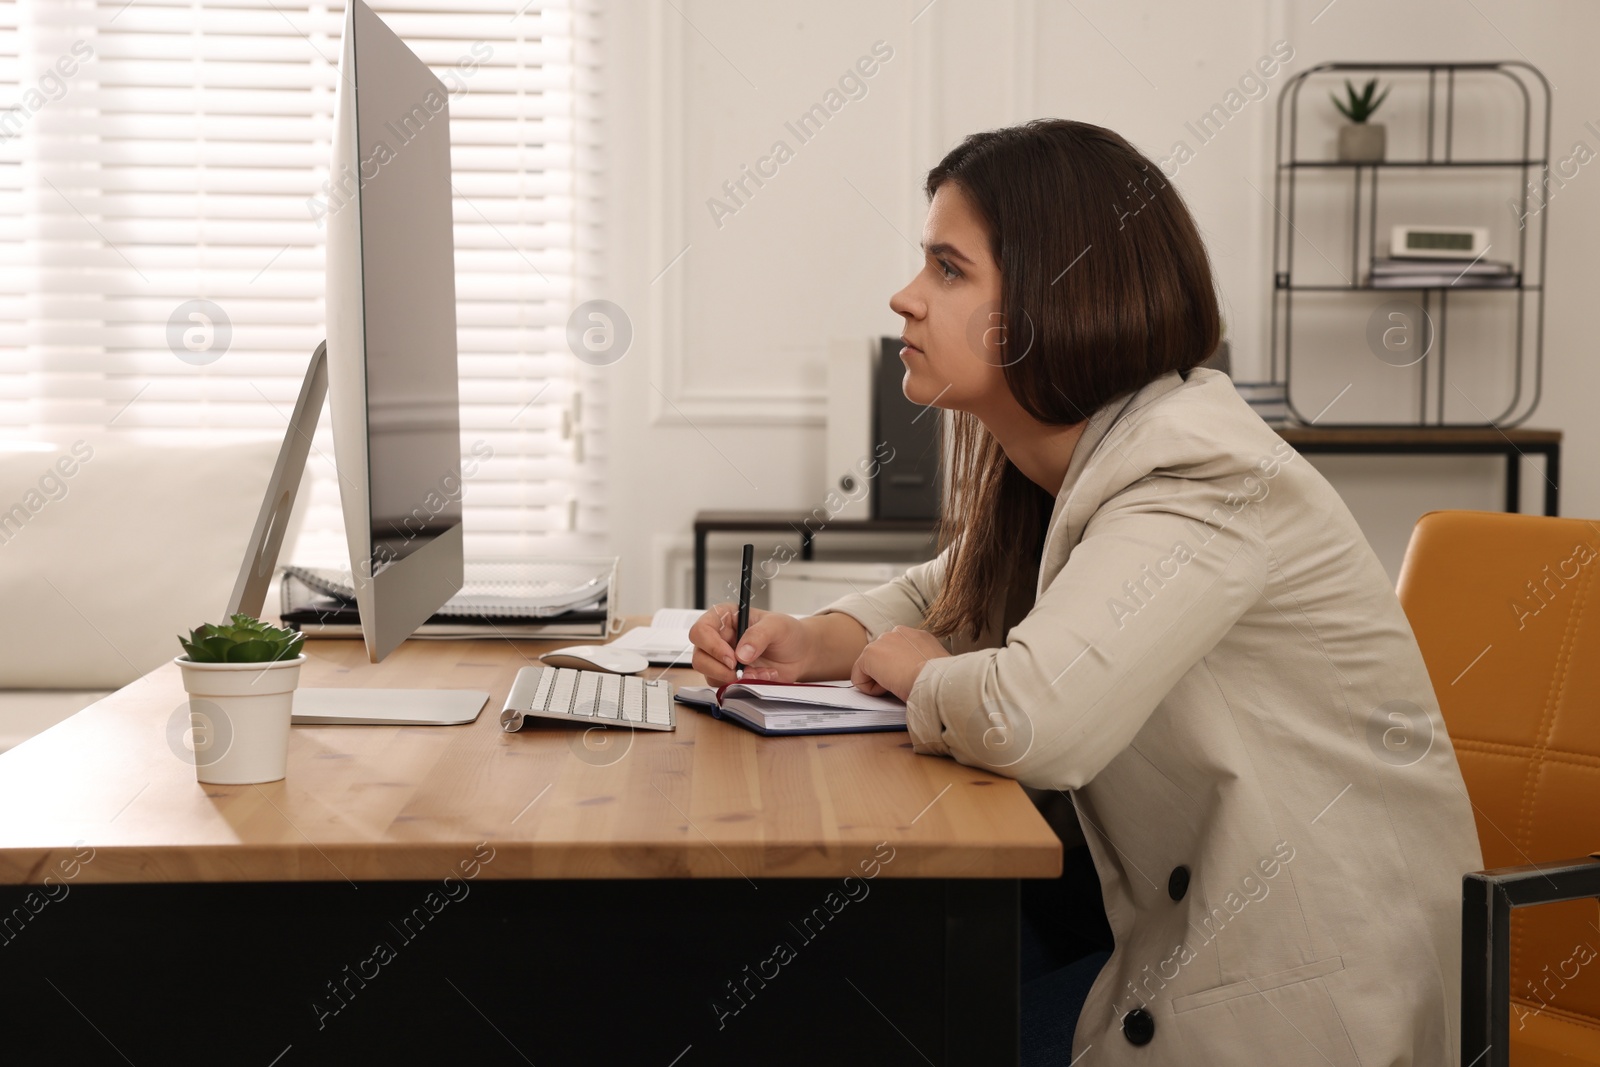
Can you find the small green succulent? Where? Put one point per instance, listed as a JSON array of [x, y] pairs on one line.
[[241, 640], [1361, 104]]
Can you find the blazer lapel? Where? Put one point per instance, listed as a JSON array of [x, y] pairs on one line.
[[1072, 509]]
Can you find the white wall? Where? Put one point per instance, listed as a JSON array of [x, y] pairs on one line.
[[719, 402]]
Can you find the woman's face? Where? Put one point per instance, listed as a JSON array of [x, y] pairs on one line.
[[954, 346]]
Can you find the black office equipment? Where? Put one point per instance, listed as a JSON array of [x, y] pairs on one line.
[[908, 488]]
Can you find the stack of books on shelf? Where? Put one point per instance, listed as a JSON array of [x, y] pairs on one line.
[[1270, 400], [1428, 273]]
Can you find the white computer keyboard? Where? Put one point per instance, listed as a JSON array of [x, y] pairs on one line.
[[589, 697]]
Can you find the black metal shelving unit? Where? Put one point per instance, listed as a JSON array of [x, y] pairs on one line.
[[1528, 295]]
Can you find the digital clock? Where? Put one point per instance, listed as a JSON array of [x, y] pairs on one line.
[[1438, 242]]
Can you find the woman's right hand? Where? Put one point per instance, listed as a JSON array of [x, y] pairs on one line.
[[775, 648]]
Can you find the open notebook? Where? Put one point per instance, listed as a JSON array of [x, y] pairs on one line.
[[777, 708]]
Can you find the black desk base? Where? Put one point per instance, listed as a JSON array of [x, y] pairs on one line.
[[804, 524], [679, 973], [1512, 444]]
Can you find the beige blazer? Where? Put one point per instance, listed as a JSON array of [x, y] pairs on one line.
[[1213, 664]]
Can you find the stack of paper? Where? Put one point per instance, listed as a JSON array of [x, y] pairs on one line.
[[1270, 400], [550, 598], [665, 642], [1435, 273]]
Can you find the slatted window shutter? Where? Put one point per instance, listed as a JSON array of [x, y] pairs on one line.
[[162, 152]]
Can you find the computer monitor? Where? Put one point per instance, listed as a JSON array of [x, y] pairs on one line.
[[391, 308], [388, 366]]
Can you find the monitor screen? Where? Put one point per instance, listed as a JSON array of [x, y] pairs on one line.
[[409, 298], [391, 357]]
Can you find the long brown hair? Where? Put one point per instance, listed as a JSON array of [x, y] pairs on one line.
[[1104, 284]]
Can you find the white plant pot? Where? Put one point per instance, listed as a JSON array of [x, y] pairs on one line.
[[239, 717], [1362, 142]]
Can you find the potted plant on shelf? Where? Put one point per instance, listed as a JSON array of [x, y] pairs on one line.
[[240, 676], [1360, 140]]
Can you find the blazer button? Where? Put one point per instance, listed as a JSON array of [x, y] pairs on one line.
[[1178, 883], [1138, 1026]]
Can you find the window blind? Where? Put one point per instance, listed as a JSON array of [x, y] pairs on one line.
[[162, 152]]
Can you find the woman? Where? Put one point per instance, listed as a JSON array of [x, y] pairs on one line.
[[1147, 601]]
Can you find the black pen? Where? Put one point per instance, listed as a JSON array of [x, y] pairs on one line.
[[745, 567]]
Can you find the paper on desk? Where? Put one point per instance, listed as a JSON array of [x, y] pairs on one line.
[[665, 642], [675, 619], [662, 647]]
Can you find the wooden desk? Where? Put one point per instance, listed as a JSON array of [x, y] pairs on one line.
[[620, 866]]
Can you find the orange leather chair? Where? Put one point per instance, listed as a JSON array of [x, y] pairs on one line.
[[1506, 609]]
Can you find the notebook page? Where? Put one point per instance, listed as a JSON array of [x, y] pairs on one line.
[[658, 645], [845, 697], [704, 695], [707, 694], [675, 619]]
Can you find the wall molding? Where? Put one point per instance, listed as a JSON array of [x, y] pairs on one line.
[[672, 401]]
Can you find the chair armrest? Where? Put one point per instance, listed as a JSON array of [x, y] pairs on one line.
[[1543, 883], [1487, 900]]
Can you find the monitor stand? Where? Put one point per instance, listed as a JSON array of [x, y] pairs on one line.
[[356, 704], [387, 707]]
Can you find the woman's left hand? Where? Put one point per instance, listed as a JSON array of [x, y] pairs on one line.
[[893, 661]]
